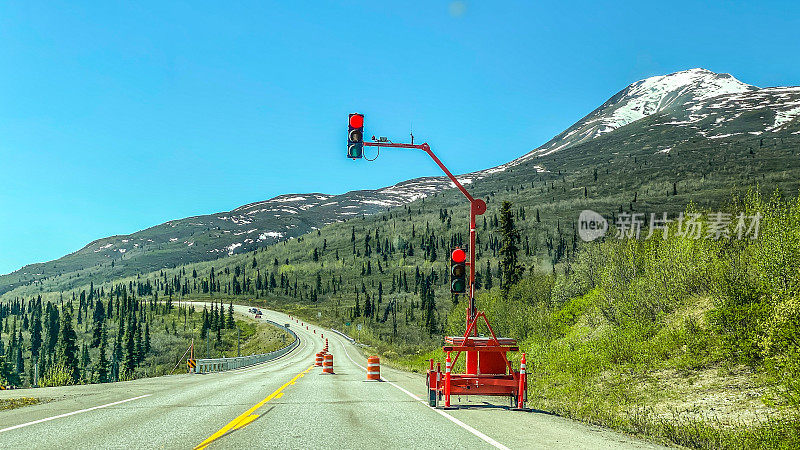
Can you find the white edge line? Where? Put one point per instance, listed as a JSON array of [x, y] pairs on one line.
[[477, 433], [73, 413]]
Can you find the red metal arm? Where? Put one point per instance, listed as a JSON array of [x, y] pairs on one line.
[[476, 208], [427, 149]]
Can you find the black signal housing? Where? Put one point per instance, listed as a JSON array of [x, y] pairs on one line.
[[355, 136], [458, 271]]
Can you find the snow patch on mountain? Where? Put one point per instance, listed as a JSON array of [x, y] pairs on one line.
[[270, 234], [784, 117]]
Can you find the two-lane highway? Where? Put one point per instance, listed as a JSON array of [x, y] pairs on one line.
[[283, 403]]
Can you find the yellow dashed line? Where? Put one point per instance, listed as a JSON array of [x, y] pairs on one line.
[[246, 417]]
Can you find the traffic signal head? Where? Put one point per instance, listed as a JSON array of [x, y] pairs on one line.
[[458, 271], [355, 136]]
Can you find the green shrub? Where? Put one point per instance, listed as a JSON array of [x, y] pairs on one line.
[[56, 375]]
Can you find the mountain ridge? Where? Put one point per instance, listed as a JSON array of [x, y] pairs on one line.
[[701, 102]]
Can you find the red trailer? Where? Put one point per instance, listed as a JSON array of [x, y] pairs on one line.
[[488, 370]]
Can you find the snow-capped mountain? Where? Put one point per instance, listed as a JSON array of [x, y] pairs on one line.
[[695, 104], [697, 98], [644, 98]]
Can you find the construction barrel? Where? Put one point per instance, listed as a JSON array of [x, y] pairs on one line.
[[373, 368], [327, 366]]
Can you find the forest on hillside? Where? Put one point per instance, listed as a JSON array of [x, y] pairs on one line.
[[101, 336]]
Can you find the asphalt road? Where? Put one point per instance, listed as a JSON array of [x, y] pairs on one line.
[[285, 403]]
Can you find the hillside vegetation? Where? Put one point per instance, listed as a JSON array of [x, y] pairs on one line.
[[691, 340]]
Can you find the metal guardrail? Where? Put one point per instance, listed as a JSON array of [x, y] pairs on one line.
[[352, 341], [209, 365]]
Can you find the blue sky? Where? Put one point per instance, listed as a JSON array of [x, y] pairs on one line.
[[115, 117]]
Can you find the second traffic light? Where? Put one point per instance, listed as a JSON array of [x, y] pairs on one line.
[[355, 136], [458, 271]]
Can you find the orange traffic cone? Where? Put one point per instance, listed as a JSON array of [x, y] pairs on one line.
[[522, 390]]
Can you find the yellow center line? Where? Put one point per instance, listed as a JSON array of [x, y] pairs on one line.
[[248, 416]]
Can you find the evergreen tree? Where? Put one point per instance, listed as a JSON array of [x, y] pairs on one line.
[[7, 373], [206, 323], [478, 283], [67, 346], [429, 302], [86, 361], [231, 322], [116, 356], [52, 322], [36, 336], [367, 308], [510, 269], [488, 284], [130, 347], [19, 362], [147, 338], [102, 362], [139, 345], [98, 318]]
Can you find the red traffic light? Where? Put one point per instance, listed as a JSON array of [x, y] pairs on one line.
[[458, 256], [356, 121]]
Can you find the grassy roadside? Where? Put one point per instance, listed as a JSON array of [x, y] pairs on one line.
[[671, 384], [14, 403]]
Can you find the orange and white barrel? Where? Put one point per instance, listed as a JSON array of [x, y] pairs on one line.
[[320, 359], [327, 366], [373, 368]]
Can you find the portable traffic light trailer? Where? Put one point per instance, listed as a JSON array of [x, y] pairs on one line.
[[488, 370]]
